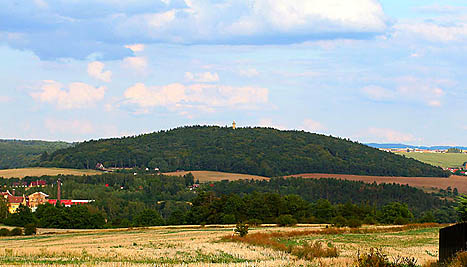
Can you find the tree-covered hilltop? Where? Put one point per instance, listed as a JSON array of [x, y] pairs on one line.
[[260, 151], [18, 154]]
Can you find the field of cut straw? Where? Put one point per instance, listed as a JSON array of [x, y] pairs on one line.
[[21, 173], [214, 246]]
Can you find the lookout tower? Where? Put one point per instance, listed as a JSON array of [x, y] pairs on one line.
[[234, 125]]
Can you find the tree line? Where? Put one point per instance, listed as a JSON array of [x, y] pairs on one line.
[[124, 200]]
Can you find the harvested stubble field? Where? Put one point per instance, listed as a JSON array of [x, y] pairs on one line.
[[426, 183], [21, 173], [213, 176], [195, 246]]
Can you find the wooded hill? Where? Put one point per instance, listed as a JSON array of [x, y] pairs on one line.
[[18, 154], [260, 151]]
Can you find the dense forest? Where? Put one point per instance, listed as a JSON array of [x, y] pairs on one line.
[[259, 151], [136, 200], [19, 154]]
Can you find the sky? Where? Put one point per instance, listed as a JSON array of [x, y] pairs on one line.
[[388, 71]]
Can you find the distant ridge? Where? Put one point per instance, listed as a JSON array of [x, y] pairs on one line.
[[257, 151], [401, 146], [26, 153]]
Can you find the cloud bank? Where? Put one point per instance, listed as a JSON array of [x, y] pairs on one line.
[[105, 28]]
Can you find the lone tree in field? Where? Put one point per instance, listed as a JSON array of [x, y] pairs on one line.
[[241, 229], [461, 208]]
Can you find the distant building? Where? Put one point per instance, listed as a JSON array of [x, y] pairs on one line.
[[69, 202], [234, 125], [100, 166], [14, 202], [38, 183], [34, 200], [37, 199]]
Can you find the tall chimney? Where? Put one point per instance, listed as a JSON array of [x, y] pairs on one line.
[[59, 183]]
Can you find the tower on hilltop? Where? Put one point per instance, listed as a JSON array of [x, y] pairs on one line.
[[234, 125]]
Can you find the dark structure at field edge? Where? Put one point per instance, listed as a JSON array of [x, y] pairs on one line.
[[452, 239]]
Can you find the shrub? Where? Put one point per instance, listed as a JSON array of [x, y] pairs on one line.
[[255, 222], [16, 231], [369, 220], [4, 232], [309, 251], [376, 258], [30, 229], [339, 221], [459, 260], [354, 223], [286, 220], [241, 229], [401, 221]]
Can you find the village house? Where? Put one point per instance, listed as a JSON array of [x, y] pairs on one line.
[[38, 183], [13, 201], [36, 199]]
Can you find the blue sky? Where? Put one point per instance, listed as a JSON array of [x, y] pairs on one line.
[[372, 71]]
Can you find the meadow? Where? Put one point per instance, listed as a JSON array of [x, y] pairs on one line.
[[23, 172], [212, 246], [444, 160]]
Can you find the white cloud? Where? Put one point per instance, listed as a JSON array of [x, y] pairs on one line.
[[313, 126], [410, 89], [388, 136], [249, 72], [136, 47], [95, 70], [41, 3], [205, 77], [78, 95], [69, 126], [256, 21], [137, 63], [204, 97], [433, 31], [417, 90], [377, 92]]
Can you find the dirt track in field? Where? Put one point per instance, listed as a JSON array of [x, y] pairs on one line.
[[459, 182]]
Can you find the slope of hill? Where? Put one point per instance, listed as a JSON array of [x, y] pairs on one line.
[[259, 151], [18, 154]]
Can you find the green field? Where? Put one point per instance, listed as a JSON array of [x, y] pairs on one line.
[[445, 160]]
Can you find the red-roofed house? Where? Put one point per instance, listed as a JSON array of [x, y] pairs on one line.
[[14, 202], [38, 183]]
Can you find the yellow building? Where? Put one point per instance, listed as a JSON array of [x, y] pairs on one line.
[[14, 202]]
